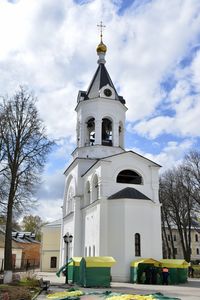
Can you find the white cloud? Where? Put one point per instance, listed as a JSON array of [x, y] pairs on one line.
[[154, 127], [171, 155], [49, 210], [50, 46]]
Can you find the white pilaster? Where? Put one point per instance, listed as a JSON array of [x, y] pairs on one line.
[[116, 134], [82, 135], [77, 227], [103, 236], [98, 128]]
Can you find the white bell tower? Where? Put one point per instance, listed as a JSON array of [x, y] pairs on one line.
[[111, 205], [100, 115]]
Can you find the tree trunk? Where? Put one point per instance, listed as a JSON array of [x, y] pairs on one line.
[[8, 237]]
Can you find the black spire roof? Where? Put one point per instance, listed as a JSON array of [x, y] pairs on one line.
[[100, 79]]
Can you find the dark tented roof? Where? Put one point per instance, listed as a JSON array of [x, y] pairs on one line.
[[100, 79], [129, 193]]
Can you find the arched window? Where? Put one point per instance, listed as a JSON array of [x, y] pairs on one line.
[[95, 189], [129, 176], [106, 132], [70, 198], [90, 137], [137, 245], [87, 194], [197, 251]]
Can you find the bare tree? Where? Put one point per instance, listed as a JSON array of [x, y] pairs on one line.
[[26, 146], [166, 197], [192, 168], [179, 207]]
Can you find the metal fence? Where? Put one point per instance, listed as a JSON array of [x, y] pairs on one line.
[[22, 264]]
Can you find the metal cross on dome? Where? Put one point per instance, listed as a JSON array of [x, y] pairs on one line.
[[101, 26]]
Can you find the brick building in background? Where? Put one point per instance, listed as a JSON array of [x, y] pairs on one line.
[[25, 250], [30, 249]]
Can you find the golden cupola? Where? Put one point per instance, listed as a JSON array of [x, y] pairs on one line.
[[101, 47]]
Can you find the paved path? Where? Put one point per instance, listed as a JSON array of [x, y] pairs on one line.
[[187, 291]]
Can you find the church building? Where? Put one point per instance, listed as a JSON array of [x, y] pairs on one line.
[[111, 205]]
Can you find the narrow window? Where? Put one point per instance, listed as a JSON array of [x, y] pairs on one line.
[[129, 176], [53, 262], [196, 238], [93, 250], [174, 238], [197, 251], [85, 251], [137, 245], [89, 251]]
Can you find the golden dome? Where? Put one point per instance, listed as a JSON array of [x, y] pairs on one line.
[[101, 48]]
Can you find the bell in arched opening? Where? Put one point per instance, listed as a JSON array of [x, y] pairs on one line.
[[91, 131], [106, 132]]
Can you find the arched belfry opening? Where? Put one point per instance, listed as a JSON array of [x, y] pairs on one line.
[[106, 132], [90, 132], [129, 176]]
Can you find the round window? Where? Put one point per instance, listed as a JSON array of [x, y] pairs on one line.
[[107, 92]]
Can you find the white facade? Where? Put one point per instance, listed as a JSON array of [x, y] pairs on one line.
[[111, 204]]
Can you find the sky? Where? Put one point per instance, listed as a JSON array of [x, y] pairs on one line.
[[153, 58]]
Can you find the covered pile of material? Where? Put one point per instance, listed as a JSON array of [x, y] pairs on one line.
[[75, 295], [66, 295], [157, 296]]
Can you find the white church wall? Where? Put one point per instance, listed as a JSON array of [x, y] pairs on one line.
[[141, 218], [96, 151], [109, 172], [127, 217], [116, 239], [91, 228]]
